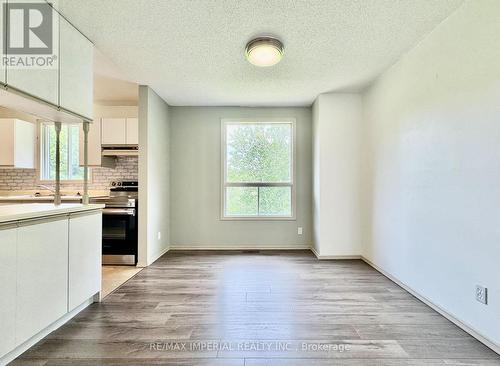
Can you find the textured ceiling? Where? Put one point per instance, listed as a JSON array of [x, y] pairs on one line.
[[192, 52], [110, 85]]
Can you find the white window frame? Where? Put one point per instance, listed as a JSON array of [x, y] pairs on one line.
[[224, 184], [41, 161]]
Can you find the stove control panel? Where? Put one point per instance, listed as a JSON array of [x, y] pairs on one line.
[[124, 184]]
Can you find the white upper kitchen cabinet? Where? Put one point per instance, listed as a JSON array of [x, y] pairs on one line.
[[94, 144], [17, 143], [114, 131], [76, 70], [132, 131], [85, 251], [42, 275], [40, 82], [8, 249], [2, 40], [120, 131]]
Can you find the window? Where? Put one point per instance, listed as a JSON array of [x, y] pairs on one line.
[[69, 144], [258, 173]]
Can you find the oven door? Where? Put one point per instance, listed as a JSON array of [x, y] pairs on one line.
[[119, 236]]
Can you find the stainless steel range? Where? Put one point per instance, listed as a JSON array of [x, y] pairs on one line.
[[119, 223]]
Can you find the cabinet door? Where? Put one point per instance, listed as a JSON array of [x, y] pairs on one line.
[[85, 251], [41, 82], [3, 38], [24, 145], [94, 144], [76, 74], [132, 131], [8, 240], [7, 143], [113, 131], [17, 143], [42, 275]]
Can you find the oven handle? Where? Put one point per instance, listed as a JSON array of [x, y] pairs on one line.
[[119, 211]]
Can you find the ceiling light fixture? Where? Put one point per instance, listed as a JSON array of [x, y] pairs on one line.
[[264, 51]]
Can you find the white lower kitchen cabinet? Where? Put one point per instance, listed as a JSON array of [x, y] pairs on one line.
[[50, 269], [42, 275], [84, 257], [8, 240]]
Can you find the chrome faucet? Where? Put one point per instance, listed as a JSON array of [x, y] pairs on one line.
[[48, 188]]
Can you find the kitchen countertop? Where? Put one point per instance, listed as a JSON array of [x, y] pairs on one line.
[[25, 197], [30, 198], [35, 195], [9, 213]]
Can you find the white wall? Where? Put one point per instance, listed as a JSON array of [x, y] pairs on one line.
[[154, 176], [337, 121], [115, 111], [434, 155], [196, 183]]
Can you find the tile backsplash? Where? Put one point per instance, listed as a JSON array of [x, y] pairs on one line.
[[26, 179], [127, 168]]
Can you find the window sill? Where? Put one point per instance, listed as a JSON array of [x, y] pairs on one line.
[[259, 218], [63, 182]]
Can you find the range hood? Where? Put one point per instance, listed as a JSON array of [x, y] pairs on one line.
[[108, 150]]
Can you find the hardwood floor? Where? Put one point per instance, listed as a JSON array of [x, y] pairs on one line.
[[257, 309]]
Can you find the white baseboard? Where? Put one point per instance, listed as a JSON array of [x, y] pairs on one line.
[[336, 257], [154, 258], [45, 332], [474, 333], [240, 247], [158, 255]]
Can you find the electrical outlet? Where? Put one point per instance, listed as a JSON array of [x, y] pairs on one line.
[[482, 294], [299, 231], [159, 235]]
